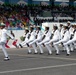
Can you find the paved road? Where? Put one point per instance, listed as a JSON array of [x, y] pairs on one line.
[[22, 63]]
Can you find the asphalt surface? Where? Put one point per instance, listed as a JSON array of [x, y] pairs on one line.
[[22, 63]]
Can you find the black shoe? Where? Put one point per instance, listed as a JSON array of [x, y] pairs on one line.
[[36, 53], [43, 45], [27, 44], [29, 52], [71, 51], [36, 44], [40, 53], [63, 50], [6, 58], [57, 54], [20, 45], [67, 54]]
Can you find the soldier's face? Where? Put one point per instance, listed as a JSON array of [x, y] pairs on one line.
[[64, 28], [68, 24], [74, 27], [60, 26], [36, 28], [31, 29], [45, 28], [54, 28], [26, 31], [6, 27]]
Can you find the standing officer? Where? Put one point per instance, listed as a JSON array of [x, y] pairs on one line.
[[46, 38], [3, 39], [65, 38]]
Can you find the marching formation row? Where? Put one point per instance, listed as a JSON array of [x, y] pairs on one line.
[[65, 35]]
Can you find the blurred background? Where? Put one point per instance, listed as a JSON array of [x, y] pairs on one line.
[[18, 14]]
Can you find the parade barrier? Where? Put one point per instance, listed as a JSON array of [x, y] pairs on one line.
[[19, 33]]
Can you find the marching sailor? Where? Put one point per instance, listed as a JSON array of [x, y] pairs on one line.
[[26, 38], [55, 38], [64, 39], [46, 38], [72, 40], [32, 37], [38, 39], [71, 29], [61, 30]]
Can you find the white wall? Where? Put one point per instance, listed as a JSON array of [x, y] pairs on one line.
[[19, 33], [50, 24]]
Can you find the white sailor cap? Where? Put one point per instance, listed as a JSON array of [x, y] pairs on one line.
[[68, 22], [34, 25], [65, 25], [31, 26], [46, 26], [38, 26], [26, 29], [61, 23], [2, 24], [55, 25], [73, 24]]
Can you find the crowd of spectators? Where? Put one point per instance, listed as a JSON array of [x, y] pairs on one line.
[[14, 16], [55, 10], [17, 16]]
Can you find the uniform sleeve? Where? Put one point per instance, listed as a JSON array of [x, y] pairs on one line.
[[59, 35], [68, 34], [62, 33], [34, 33], [49, 34], [8, 34], [75, 35], [41, 33]]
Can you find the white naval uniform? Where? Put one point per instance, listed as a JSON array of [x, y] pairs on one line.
[[64, 40], [55, 38], [38, 39], [47, 35], [62, 32], [70, 41], [26, 39], [31, 39], [3, 39], [71, 29]]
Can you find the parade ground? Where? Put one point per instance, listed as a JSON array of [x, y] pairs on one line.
[[22, 63]]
